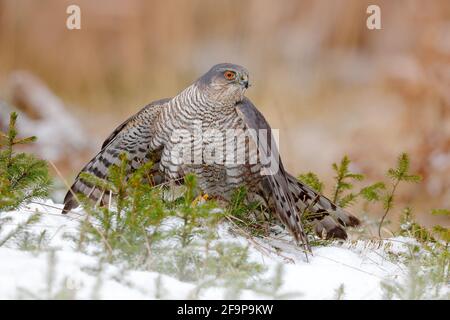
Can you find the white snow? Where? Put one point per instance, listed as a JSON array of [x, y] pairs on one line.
[[359, 266]]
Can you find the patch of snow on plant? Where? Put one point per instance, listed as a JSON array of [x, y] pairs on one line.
[[356, 268]]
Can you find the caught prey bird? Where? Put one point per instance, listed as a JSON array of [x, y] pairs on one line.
[[214, 103]]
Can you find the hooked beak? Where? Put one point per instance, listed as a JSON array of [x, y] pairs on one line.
[[243, 81]]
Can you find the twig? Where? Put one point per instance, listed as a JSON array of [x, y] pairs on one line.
[[257, 245], [388, 207]]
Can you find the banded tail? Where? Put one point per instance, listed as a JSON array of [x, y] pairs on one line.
[[329, 220]]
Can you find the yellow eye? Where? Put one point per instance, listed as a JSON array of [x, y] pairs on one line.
[[229, 75]]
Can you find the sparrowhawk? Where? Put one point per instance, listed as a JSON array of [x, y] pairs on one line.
[[214, 103]]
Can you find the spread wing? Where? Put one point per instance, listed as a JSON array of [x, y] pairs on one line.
[[132, 137], [275, 185], [291, 197]]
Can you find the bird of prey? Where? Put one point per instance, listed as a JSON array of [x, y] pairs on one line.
[[214, 103]]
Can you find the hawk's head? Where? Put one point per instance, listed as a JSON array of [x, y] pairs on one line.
[[225, 83]]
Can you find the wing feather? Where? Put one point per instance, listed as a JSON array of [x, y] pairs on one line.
[[132, 137], [291, 196], [275, 185]]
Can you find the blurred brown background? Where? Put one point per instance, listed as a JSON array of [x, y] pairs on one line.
[[329, 84]]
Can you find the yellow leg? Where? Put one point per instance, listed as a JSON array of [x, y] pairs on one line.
[[200, 199]]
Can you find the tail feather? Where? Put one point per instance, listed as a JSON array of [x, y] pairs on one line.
[[80, 187], [69, 202], [328, 228], [97, 166], [328, 219]]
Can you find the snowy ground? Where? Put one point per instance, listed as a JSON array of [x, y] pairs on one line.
[[360, 267]]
